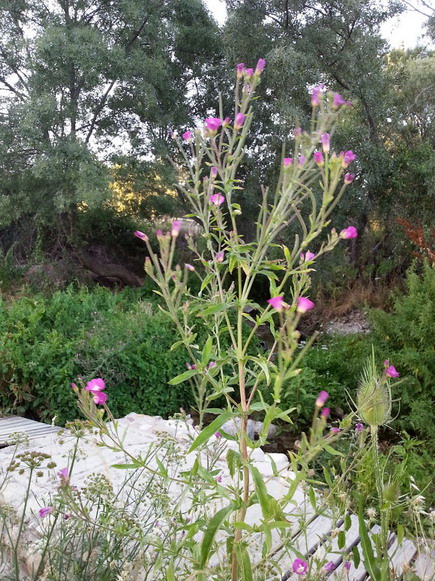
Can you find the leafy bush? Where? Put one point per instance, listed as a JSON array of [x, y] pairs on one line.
[[407, 337], [47, 342], [333, 365]]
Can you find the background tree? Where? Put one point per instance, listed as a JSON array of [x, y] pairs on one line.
[[83, 80]]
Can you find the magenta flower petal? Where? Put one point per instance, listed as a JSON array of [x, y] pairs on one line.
[[100, 397], [325, 139], [261, 63], [213, 124], [321, 399], [277, 303], [239, 121], [318, 158], [348, 178], [45, 511], [338, 101], [349, 232], [63, 474], [140, 235], [392, 372], [218, 435], [329, 567], [187, 135], [176, 227], [300, 567], [335, 430], [248, 73], [325, 412], [316, 95], [189, 267], [359, 427], [287, 161], [213, 172], [217, 199], [348, 158], [304, 305], [220, 256], [301, 160], [346, 565], [95, 385], [240, 68]]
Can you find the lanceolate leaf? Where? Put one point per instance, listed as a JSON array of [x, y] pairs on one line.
[[211, 429], [213, 527]]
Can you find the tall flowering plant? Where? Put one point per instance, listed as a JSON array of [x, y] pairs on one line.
[[228, 267]]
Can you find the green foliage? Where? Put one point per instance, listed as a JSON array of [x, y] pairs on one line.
[[406, 336], [49, 342], [333, 366]]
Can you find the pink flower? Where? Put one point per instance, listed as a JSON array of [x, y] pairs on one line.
[[301, 160], [277, 303], [239, 120], [300, 567], [261, 63], [325, 140], [318, 158], [219, 257], [391, 371], [211, 364], [63, 474], [346, 565], [187, 135], [217, 199], [248, 73], [304, 305], [189, 267], [45, 511], [100, 397], [226, 122], [240, 68], [193, 366], [95, 385], [338, 101], [217, 435], [140, 235], [287, 161], [359, 427], [348, 158], [307, 256], [349, 232], [176, 227], [159, 234], [329, 567], [335, 430], [297, 131], [219, 479], [213, 124], [321, 399], [316, 95], [74, 387], [213, 172], [325, 412], [348, 178]]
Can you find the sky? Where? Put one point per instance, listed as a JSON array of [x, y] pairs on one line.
[[403, 31]]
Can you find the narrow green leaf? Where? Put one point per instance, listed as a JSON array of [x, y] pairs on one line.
[[333, 452], [356, 557], [245, 565], [366, 547], [209, 430], [263, 495], [183, 377], [213, 309], [206, 280], [126, 466], [163, 471], [400, 534], [206, 352], [210, 533], [341, 539]]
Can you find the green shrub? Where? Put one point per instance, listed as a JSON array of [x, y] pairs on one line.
[[49, 342], [407, 338], [334, 365]]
